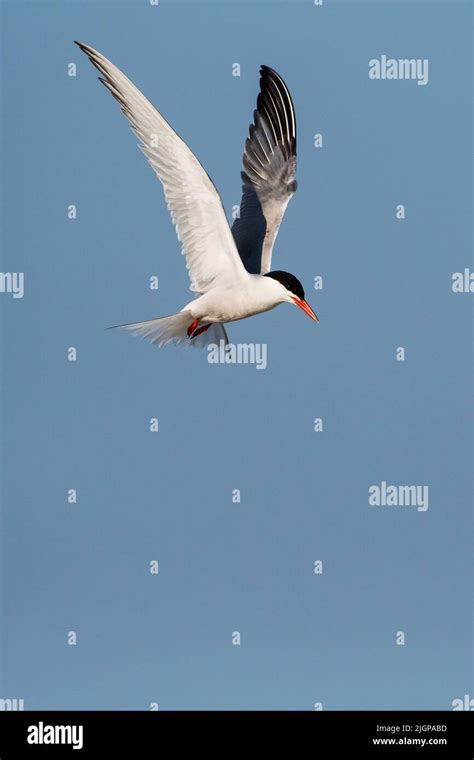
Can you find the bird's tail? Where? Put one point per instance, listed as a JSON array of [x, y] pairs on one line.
[[174, 329]]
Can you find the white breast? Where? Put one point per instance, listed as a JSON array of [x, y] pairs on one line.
[[228, 304]]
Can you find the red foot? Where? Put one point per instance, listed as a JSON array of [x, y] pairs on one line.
[[193, 333], [192, 327], [201, 330]]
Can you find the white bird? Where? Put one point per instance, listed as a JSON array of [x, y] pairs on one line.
[[229, 269]]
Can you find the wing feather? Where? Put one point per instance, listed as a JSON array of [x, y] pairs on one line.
[[193, 201], [269, 173]]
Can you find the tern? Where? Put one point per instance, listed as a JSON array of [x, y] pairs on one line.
[[229, 268]]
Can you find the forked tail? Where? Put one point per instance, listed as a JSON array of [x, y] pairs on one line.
[[174, 329]]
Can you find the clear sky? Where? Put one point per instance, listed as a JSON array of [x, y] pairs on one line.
[[247, 567]]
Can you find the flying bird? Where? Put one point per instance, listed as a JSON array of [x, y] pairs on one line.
[[229, 268]]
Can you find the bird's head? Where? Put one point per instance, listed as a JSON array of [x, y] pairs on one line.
[[292, 291]]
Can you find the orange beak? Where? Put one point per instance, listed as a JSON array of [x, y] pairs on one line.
[[304, 305]]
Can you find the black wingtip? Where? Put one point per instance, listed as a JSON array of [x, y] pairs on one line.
[[277, 108], [268, 72], [85, 48], [267, 75]]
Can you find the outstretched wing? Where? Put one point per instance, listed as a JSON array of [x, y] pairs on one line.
[[269, 173], [193, 201]]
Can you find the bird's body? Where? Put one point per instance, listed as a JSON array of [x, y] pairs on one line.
[[229, 269], [254, 295]]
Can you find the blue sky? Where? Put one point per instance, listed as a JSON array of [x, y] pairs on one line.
[[141, 496]]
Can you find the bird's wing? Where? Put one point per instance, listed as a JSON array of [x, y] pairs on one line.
[[193, 201], [269, 173]]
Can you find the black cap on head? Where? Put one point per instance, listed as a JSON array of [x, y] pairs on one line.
[[289, 281]]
